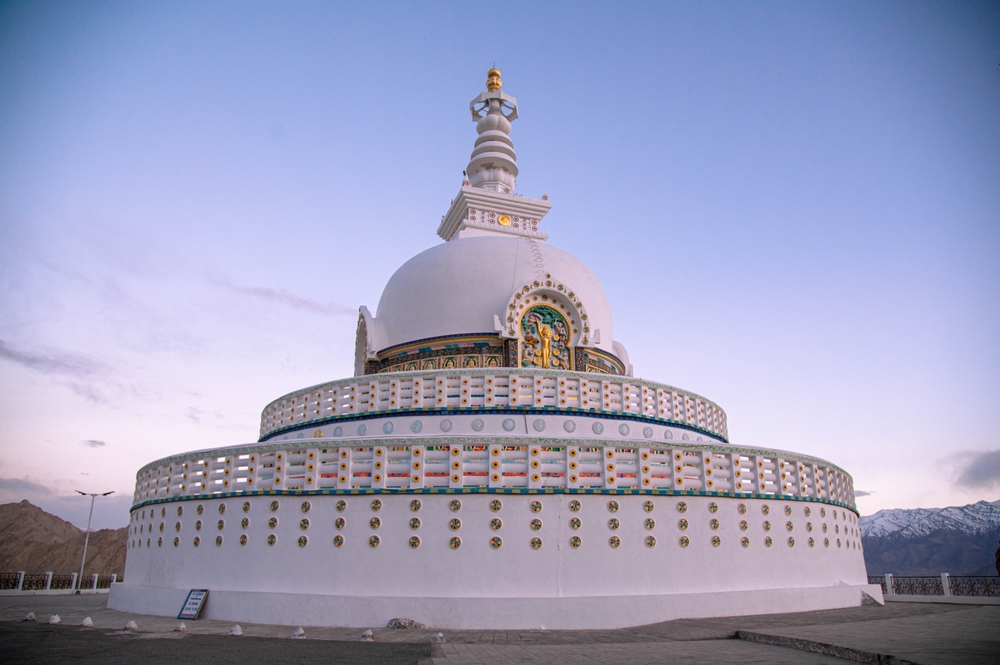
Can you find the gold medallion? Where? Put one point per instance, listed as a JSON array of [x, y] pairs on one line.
[[503, 220]]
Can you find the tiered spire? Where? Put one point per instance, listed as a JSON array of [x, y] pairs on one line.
[[486, 204], [493, 164]]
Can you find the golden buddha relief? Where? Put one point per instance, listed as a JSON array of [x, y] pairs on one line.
[[546, 339]]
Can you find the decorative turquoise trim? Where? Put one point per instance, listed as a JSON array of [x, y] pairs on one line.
[[360, 491], [504, 410]]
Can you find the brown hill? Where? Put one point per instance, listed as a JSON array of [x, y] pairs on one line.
[[34, 541]]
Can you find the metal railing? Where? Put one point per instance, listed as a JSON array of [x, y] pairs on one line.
[[21, 582], [975, 586], [10, 581], [938, 585], [35, 582], [62, 581]]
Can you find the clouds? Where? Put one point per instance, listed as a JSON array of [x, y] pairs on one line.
[[194, 414], [15, 489], [860, 493], [92, 379], [220, 419], [49, 361], [282, 297], [94, 443], [980, 470]]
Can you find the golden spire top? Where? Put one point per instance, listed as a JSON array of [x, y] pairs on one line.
[[493, 82]]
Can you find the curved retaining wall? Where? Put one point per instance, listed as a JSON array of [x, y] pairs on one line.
[[491, 559], [491, 531]]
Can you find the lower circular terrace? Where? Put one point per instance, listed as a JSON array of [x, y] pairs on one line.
[[494, 532], [487, 464]]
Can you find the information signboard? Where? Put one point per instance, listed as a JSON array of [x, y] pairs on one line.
[[192, 606]]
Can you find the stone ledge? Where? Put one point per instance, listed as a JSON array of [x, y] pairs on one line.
[[844, 653]]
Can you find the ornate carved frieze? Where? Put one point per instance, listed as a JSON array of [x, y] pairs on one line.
[[476, 351], [597, 362]]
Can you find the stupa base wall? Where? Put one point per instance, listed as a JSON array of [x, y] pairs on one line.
[[588, 612]]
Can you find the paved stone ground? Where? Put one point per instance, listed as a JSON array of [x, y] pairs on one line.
[[72, 645], [927, 634]]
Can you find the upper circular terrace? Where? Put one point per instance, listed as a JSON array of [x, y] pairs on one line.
[[496, 390]]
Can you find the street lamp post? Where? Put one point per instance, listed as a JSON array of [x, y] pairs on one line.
[[86, 540]]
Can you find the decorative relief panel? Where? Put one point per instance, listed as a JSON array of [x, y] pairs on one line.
[[546, 337], [557, 296]]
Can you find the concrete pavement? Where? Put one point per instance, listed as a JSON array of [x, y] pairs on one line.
[[928, 634]]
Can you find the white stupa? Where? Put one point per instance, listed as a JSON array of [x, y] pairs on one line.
[[493, 463]]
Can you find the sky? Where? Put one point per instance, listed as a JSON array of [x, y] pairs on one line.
[[794, 209]]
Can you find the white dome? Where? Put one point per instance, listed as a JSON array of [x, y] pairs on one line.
[[458, 287]]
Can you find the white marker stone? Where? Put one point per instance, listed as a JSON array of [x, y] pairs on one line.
[[131, 625], [236, 631], [87, 622], [367, 636], [55, 619]]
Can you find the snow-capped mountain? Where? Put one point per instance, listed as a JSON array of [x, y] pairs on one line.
[[974, 519]]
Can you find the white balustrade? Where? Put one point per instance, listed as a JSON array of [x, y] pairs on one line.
[[410, 465], [494, 388]]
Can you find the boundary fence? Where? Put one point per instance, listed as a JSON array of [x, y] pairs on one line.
[[21, 582], [938, 585]]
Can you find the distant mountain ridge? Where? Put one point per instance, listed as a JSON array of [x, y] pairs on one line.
[[974, 519], [33, 541], [960, 540]]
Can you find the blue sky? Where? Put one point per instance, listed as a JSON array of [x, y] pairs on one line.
[[793, 207]]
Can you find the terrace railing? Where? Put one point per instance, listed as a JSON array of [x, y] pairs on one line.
[[415, 463], [497, 388], [36, 582], [63, 581], [10, 581], [105, 581], [938, 585], [21, 582]]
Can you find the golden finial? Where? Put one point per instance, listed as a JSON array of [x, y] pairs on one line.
[[493, 82]]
